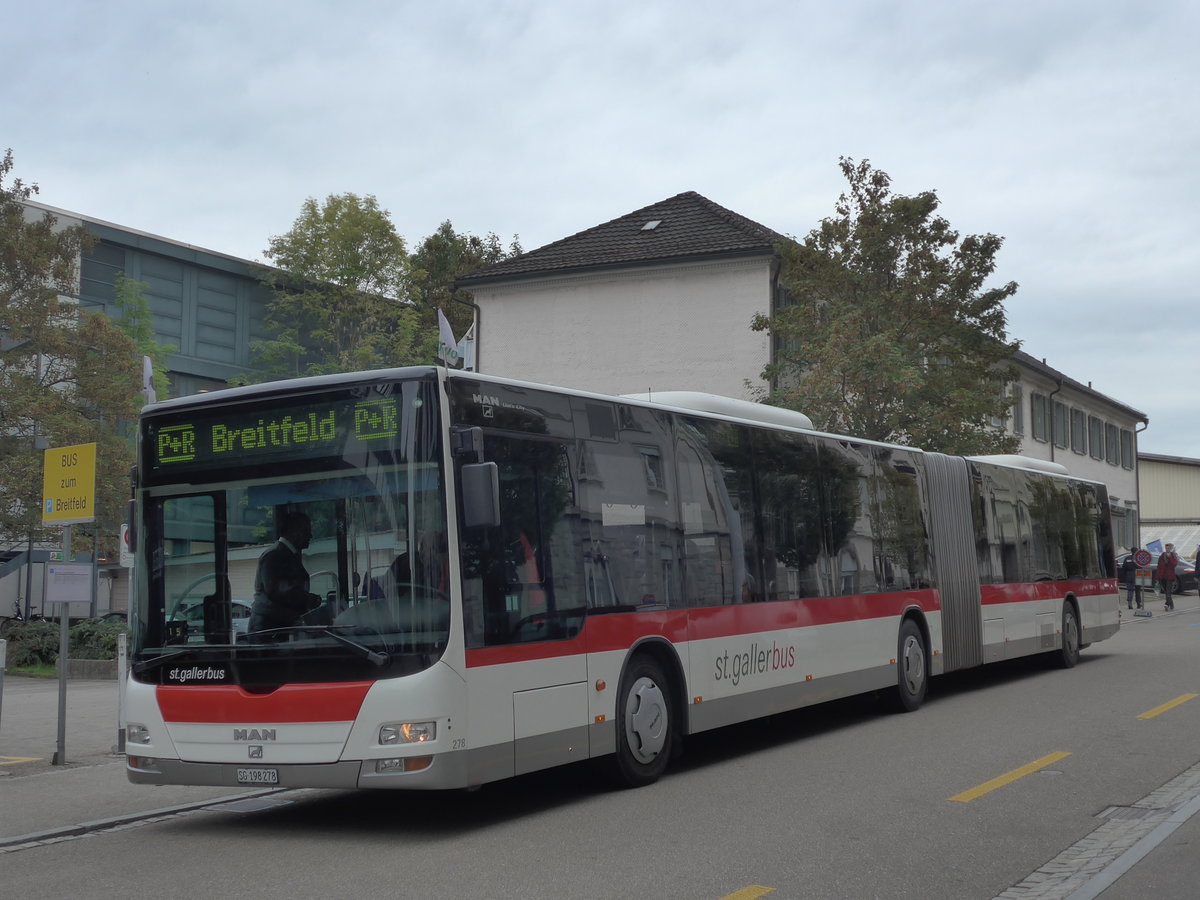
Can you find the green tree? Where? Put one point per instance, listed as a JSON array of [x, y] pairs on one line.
[[438, 262], [136, 322], [107, 396], [339, 290], [67, 376], [887, 331]]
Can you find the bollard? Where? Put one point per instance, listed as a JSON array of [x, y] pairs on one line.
[[122, 657], [3, 655]]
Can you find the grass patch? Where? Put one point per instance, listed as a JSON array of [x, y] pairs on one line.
[[42, 670]]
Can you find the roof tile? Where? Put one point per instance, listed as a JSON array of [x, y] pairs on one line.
[[689, 226]]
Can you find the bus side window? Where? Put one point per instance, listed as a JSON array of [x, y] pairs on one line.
[[512, 587]]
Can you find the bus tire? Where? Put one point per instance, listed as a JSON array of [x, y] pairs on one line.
[[645, 724], [912, 669], [1067, 655]]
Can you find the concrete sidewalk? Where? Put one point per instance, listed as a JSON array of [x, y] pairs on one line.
[[39, 799]]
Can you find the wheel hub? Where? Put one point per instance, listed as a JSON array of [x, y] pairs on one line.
[[914, 665], [646, 720]]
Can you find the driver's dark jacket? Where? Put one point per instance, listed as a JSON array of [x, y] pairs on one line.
[[281, 594]]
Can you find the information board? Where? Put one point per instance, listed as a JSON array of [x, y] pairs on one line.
[[69, 583], [69, 484]]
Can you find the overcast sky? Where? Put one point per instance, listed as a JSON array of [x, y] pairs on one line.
[[1072, 129]]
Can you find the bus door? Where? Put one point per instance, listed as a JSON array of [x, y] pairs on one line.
[[523, 611]]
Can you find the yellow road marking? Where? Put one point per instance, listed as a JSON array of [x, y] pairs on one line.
[[9, 760], [753, 892], [988, 786], [1170, 704]]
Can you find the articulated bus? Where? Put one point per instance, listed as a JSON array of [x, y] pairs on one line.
[[501, 577]]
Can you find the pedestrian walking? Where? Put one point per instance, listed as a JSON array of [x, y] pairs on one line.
[[1168, 560], [1129, 578]]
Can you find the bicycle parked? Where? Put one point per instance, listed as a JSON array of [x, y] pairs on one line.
[[17, 618]]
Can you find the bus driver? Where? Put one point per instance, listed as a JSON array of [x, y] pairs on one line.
[[281, 595]]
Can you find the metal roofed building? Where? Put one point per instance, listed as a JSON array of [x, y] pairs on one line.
[[208, 305], [1170, 494]]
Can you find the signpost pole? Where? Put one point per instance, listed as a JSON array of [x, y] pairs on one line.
[[68, 496], [3, 651], [1143, 578], [64, 641]]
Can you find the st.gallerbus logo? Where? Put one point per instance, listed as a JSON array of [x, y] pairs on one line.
[[758, 660]]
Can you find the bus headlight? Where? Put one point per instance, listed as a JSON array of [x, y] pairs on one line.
[[136, 733], [143, 764], [407, 732], [403, 764]]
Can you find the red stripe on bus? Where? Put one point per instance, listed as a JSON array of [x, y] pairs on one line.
[[991, 594], [511, 653], [728, 621], [616, 631], [620, 630], [290, 703]]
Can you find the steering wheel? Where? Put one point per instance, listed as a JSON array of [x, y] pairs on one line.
[[534, 620]]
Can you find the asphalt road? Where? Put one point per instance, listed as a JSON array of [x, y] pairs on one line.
[[1007, 775]]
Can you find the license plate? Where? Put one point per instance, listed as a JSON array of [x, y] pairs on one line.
[[258, 776]]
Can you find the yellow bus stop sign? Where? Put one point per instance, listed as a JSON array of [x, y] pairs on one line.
[[69, 484]]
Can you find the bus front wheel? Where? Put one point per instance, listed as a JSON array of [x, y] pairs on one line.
[[645, 725]]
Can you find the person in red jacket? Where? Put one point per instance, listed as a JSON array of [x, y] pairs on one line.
[[1165, 573]]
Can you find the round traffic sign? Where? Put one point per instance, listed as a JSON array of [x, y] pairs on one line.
[[1143, 558]]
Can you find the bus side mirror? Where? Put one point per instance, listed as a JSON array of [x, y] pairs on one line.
[[480, 484], [467, 443]]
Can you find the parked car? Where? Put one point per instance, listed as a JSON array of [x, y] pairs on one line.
[[1185, 573], [193, 614], [114, 617]]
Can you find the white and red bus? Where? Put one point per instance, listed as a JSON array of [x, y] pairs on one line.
[[504, 577]]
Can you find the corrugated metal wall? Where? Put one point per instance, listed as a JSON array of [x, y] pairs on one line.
[[954, 563], [1170, 491]]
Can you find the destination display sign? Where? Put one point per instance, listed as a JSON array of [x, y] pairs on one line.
[[234, 436]]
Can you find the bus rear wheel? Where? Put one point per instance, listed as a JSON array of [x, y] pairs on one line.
[[912, 669], [645, 724], [1068, 654]]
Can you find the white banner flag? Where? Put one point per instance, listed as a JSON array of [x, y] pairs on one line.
[[148, 380], [447, 345], [466, 349]]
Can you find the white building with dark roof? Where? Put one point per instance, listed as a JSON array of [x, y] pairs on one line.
[[659, 299], [662, 298]]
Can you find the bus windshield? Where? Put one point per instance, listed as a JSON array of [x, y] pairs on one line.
[[301, 530]]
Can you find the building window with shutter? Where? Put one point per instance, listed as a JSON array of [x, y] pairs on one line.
[[1079, 431], [1037, 417], [1018, 409], [1112, 445], [1060, 424], [1096, 437]]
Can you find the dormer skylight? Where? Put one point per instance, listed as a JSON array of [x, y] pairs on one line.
[[652, 224]]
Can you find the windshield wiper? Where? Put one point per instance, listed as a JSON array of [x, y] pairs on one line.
[[370, 655]]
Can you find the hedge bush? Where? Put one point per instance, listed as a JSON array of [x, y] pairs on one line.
[[31, 644], [94, 640], [36, 643]]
